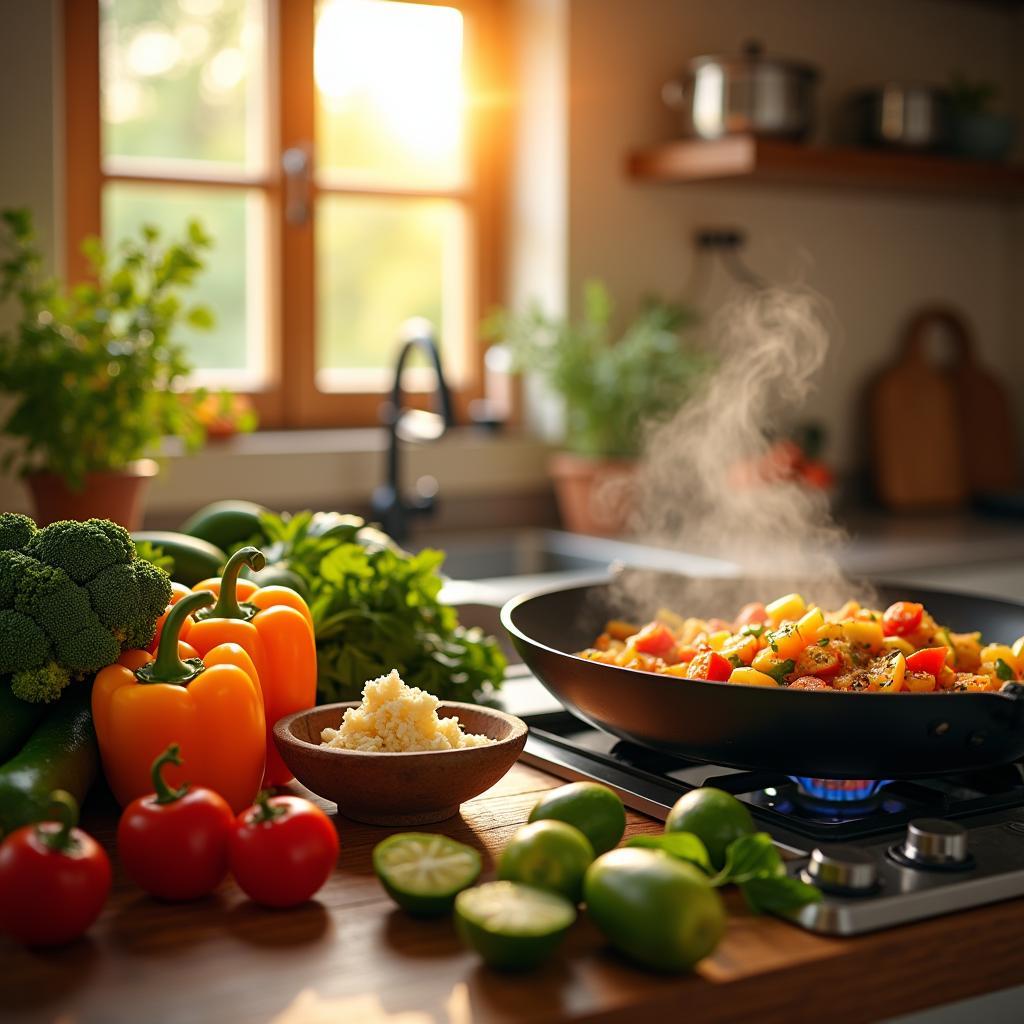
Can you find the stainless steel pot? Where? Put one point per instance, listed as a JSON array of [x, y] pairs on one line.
[[902, 115], [751, 93]]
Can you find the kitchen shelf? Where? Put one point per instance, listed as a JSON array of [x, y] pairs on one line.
[[764, 161]]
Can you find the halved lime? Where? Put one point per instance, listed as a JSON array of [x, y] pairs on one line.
[[512, 926], [423, 872]]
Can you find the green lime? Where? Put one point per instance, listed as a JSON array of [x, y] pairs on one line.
[[655, 909], [512, 926], [592, 808], [423, 873], [713, 816], [549, 855]]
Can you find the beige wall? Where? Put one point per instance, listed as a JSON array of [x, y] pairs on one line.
[[875, 257]]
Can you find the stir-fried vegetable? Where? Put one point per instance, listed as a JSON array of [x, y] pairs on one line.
[[788, 643]]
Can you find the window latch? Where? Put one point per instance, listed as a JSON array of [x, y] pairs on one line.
[[297, 164]]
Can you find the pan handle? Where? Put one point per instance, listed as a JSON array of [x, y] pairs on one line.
[[1015, 692]]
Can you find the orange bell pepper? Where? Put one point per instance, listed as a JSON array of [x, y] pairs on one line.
[[210, 706], [275, 627]]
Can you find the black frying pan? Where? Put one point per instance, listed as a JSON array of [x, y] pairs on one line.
[[824, 734]]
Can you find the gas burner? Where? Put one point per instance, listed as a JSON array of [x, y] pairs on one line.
[[850, 797]]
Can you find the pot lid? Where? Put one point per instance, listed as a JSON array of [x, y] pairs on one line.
[[753, 57]]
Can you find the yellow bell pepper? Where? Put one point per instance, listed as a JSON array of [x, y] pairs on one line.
[[211, 707], [275, 627]]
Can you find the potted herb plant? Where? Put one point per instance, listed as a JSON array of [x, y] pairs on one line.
[[613, 389], [94, 374], [977, 131]]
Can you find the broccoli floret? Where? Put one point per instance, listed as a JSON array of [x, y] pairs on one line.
[[13, 566], [82, 550], [48, 596], [15, 531], [23, 645], [41, 685], [128, 600], [89, 649]]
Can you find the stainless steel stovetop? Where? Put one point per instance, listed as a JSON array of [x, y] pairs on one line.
[[882, 855]]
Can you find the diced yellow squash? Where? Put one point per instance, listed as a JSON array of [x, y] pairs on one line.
[[620, 630], [680, 670], [887, 673], [743, 647], [898, 643], [716, 641], [786, 608], [860, 635], [771, 663], [992, 653], [967, 650], [751, 677], [810, 622], [786, 641]]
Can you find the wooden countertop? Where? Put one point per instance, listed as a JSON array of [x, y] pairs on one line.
[[351, 956]]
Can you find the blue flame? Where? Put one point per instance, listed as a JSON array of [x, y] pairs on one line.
[[840, 791]]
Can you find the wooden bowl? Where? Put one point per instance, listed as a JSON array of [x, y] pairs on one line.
[[415, 788]]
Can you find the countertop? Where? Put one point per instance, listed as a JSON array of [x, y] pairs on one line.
[[349, 955]]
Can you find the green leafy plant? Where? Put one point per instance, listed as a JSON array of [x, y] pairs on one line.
[[612, 387], [971, 97], [95, 372]]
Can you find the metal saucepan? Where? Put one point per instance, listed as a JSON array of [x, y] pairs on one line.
[[730, 95], [824, 734], [902, 116]]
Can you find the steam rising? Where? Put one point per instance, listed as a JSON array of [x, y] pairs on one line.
[[699, 488]]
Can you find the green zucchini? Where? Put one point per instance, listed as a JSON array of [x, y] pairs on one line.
[[194, 559], [60, 754], [226, 523], [17, 720]]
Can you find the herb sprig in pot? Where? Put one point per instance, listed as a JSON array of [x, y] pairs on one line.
[[95, 373], [613, 389]]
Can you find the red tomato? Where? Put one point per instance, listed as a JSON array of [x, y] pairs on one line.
[[819, 660], [752, 614], [902, 618], [174, 843], [929, 660], [282, 850], [655, 638], [809, 683], [54, 879], [709, 665]]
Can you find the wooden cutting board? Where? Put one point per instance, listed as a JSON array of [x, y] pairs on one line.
[[917, 450], [941, 433]]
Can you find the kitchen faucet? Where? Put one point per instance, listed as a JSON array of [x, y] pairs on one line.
[[390, 509]]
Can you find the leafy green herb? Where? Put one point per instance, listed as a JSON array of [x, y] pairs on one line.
[[681, 845], [781, 670], [1003, 670], [735, 660], [778, 895], [754, 629], [376, 607], [155, 555], [824, 642]]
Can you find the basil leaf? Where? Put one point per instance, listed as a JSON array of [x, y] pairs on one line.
[[781, 670], [1003, 670], [778, 895], [750, 857], [681, 845], [753, 629]]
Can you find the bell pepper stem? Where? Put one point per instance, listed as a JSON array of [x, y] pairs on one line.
[[227, 606], [67, 815], [164, 793], [168, 666]]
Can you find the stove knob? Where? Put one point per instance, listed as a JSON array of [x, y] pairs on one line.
[[932, 842], [841, 870]]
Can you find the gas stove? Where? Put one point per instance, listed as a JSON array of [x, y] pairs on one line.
[[883, 853]]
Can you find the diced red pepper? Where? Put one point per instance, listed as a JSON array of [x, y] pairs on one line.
[[929, 660], [710, 665], [902, 618], [752, 614], [655, 638]]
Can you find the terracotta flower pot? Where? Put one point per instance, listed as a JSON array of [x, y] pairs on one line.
[[594, 495], [114, 494]]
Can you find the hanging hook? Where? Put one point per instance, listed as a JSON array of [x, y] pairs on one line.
[[726, 243]]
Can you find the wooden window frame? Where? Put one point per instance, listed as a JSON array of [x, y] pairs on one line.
[[291, 398]]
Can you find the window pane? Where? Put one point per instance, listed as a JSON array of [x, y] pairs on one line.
[[231, 282], [389, 92], [380, 261], [184, 79]]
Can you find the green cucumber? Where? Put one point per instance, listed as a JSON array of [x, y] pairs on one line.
[[194, 559], [17, 720], [60, 754], [226, 523]]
